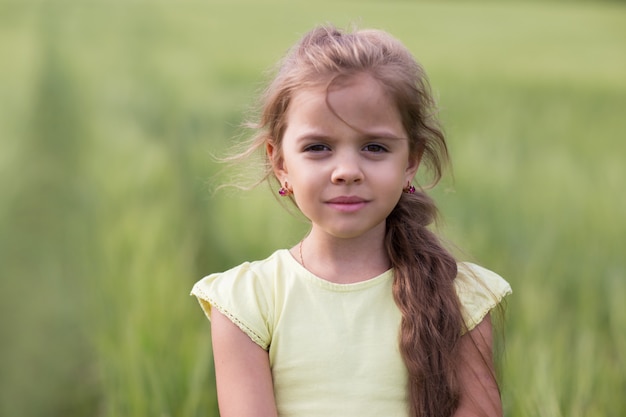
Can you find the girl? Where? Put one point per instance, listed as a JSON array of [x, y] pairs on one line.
[[368, 315]]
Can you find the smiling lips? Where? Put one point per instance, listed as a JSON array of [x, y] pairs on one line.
[[347, 204]]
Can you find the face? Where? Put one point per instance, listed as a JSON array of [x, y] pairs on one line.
[[347, 166]]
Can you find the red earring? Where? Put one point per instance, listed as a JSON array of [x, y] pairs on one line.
[[409, 189], [285, 191]]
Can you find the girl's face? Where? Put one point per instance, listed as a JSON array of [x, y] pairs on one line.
[[346, 167]]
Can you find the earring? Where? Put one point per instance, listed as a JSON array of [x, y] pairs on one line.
[[285, 191], [409, 189]]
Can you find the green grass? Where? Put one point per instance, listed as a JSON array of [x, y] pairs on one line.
[[110, 113]]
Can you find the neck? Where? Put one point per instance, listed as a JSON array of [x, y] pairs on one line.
[[342, 260]]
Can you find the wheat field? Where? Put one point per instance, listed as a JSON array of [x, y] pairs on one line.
[[112, 113]]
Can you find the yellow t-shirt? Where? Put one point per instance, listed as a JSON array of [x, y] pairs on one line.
[[333, 348]]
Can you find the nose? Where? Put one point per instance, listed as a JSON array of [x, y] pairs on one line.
[[347, 170]]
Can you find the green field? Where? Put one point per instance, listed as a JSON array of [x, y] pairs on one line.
[[111, 113]]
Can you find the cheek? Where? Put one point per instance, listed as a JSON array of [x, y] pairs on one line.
[[397, 173], [307, 186]]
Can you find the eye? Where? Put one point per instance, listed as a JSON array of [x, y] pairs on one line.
[[374, 148], [317, 147]]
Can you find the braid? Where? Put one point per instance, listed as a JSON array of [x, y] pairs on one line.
[[424, 292]]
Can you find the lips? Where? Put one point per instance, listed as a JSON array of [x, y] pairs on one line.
[[347, 203], [346, 200]]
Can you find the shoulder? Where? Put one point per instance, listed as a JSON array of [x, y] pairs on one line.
[[254, 274], [244, 294], [479, 290]]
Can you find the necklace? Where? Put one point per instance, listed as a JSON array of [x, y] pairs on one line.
[[300, 250]]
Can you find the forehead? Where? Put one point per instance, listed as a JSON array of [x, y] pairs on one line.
[[358, 101]]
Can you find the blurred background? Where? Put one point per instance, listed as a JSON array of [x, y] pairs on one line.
[[111, 114]]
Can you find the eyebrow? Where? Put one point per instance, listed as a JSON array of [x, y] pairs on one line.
[[313, 135]]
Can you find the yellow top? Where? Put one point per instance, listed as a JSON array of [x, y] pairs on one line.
[[333, 348]]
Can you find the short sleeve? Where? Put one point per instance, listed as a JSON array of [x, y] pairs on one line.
[[479, 291], [242, 296]]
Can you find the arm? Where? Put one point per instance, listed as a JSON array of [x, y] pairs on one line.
[[480, 395], [242, 372]]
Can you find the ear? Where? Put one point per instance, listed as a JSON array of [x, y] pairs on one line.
[[412, 165], [276, 159]]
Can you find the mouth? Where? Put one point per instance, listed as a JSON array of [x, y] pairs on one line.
[[347, 203], [346, 200]]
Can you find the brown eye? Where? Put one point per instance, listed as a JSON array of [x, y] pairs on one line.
[[375, 148], [316, 148]]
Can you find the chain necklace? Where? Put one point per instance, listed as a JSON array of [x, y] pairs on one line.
[[300, 250]]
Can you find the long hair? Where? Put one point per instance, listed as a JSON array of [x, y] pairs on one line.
[[424, 270]]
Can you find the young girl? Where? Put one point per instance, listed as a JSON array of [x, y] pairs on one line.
[[368, 315]]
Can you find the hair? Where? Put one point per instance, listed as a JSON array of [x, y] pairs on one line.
[[424, 270]]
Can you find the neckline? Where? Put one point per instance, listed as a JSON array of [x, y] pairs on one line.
[[334, 286]]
